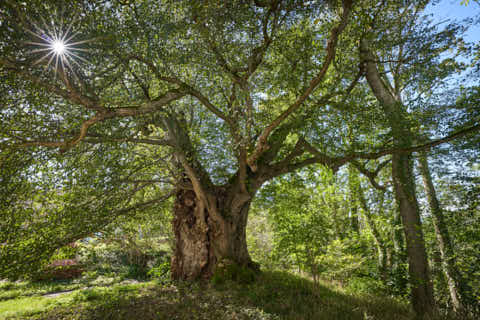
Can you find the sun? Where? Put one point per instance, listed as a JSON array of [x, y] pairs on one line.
[[54, 43], [58, 47]]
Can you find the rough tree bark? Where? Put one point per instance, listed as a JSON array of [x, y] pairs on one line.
[[447, 255], [204, 238], [403, 185], [209, 221]]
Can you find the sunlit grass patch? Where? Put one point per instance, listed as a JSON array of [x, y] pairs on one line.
[[27, 306]]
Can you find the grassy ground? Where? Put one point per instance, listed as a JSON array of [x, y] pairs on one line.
[[274, 295]]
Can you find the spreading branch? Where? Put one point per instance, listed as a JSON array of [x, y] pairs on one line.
[[287, 165], [330, 50]]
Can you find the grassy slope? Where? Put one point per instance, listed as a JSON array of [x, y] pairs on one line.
[[274, 295]]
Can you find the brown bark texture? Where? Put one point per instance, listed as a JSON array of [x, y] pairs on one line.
[[204, 239]]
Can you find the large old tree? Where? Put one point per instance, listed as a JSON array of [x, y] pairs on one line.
[[114, 106]]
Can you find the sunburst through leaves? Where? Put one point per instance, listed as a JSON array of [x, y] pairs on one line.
[[56, 45]]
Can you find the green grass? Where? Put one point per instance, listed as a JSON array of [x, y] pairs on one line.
[[29, 306], [273, 296], [11, 290], [22, 307]]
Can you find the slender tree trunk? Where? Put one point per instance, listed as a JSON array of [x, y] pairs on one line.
[[205, 238], [447, 255], [354, 217], [404, 184]]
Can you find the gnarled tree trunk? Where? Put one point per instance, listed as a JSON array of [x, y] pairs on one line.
[[205, 236]]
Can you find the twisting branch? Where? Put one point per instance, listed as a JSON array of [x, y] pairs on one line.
[[297, 151], [258, 53], [331, 50], [184, 153], [422, 147], [145, 204], [103, 139], [153, 106]]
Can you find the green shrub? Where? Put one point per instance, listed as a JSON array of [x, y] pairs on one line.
[[161, 272], [128, 259]]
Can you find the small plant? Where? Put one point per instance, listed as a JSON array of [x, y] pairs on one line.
[[161, 272]]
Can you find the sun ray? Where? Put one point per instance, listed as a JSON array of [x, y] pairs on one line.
[[45, 25], [43, 58], [77, 49], [56, 66], [68, 30], [72, 36], [71, 68], [55, 37], [76, 56], [41, 50], [74, 61], [60, 27], [36, 34], [64, 75], [50, 61], [83, 41], [39, 44]]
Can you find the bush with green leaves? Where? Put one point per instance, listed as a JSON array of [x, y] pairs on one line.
[[161, 270], [129, 258]]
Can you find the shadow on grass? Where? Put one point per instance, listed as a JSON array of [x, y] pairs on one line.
[[274, 295]]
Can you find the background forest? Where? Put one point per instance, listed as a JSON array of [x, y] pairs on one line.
[[239, 159]]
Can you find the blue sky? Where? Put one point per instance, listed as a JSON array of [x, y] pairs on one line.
[[454, 10]]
